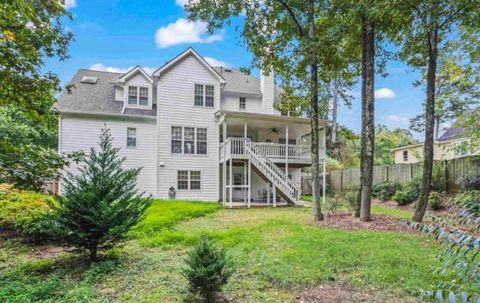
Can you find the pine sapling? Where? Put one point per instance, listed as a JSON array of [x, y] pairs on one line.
[[100, 203]]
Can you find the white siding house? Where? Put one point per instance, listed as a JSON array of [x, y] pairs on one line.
[[202, 132]]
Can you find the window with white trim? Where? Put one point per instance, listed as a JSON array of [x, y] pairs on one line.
[[204, 95], [195, 180], [188, 140], [242, 103], [182, 179], [138, 95], [143, 96], [405, 155], [189, 180], [198, 95], [201, 141], [132, 95], [131, 137], [176, 139]]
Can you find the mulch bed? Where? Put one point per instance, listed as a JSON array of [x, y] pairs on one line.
[[345, 221]]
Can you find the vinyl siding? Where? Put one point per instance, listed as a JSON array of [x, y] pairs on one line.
[[231, 103], [175, 107], [81, 133]]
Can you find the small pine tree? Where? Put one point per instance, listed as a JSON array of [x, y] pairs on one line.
[[100, 203], [207, 270]]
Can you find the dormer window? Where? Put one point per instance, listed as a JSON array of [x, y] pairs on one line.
[[204, 95], [143, 97], [138, 95], [132, 95]]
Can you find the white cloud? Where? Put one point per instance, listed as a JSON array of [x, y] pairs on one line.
[[184, 31], [215, 62], [397, 121], [112, 69], [385, 93], [181, 2], [70, 4]]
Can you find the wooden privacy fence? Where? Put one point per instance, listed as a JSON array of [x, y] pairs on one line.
[[451, 170]]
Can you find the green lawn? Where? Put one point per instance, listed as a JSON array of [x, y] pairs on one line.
[[275, 252]]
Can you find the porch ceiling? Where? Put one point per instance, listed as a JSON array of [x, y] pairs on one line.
[[266, 123]]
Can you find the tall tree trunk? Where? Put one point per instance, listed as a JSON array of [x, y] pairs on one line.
[[356, 211], [422, 201], [336, 84], [316, 190], [368, 33]]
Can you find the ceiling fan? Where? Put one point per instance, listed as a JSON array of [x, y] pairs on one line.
[[274, 131]]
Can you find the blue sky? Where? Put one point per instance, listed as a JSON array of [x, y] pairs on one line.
[[118, 34]]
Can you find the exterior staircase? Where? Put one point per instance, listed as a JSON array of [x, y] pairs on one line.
[[240, 148]]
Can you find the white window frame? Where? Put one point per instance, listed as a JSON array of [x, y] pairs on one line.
[[134, 137], [137, 100], [204, 94], [189, 180], [195, 141], [240, 103], [405, 155]]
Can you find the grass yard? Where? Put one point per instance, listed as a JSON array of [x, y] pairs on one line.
[[277, 255]]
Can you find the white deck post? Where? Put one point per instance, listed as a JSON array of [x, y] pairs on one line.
[[224, 167], [274, 193], [268, 193], [231, 182], [245, 165], [249, 182], [286, 153], [324, 181]]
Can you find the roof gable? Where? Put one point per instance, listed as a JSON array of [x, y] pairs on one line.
[[183, 55], [136, 70]]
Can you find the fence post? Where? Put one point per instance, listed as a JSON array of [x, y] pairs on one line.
[[386, 173], [411, 171], [341, 180], [445, 173]]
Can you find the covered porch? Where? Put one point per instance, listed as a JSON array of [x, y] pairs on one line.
[[261, 157]]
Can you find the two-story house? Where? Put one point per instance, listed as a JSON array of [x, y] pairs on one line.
[[450, 145], [198, 132]]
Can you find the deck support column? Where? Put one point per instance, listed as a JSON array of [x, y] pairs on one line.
[[224, 164], [286, 152], [231, 182], [249, 182], [268, 193], [274, 193]]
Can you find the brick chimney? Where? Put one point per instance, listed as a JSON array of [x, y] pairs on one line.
[[267, 87]]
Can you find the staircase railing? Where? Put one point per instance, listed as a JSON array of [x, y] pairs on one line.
[[272, 171]]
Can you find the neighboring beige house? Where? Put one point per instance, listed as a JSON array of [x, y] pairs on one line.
[[449, 146]]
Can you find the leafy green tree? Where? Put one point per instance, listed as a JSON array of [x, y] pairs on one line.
[[386, 140], [430, 24], [30, 31], [100, 203], [457, 87], [207, 271]]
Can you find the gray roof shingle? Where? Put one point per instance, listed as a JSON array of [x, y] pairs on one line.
[[96, 98], [451, 133], [99, 98]]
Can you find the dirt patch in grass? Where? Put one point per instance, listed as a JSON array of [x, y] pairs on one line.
[[46, 252], [345, 221], [340, 293]]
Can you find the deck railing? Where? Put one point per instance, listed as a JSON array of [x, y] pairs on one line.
[[281, 151], [235, 148]]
